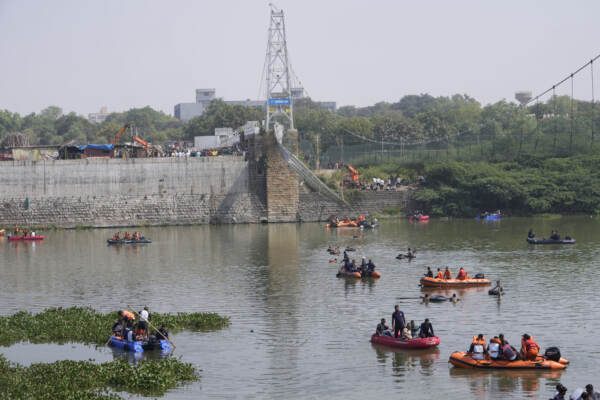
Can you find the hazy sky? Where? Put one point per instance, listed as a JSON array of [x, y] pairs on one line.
[[81, 55]]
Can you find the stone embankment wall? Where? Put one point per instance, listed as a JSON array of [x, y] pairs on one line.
[[170, 191], [128, 192], [314, 207]]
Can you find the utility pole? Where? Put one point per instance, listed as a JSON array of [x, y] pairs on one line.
[[278, 90], [318, 159]]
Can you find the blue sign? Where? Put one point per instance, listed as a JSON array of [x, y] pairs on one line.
[[275, 102]]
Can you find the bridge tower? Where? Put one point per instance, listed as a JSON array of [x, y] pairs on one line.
[[278, 89]]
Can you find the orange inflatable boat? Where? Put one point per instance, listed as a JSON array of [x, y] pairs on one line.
[[453, 283], [346, 274], [460, 359]]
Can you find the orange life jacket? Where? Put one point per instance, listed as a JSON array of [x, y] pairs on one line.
[[495, 340], [531, 346], [477, 341], [447, 274], [128, 315], [462, 274], [440, 275]]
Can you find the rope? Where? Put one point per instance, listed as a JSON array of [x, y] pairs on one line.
[[572, 118], [553, 87], [593, 108]]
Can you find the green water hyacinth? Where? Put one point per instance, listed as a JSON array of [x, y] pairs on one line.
[[84, 380], [83, 324]]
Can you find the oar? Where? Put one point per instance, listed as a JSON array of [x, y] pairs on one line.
[[153, 327]]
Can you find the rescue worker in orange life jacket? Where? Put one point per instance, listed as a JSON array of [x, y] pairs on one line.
[[440, 274], [529, 348], [447, 274], [494, 348], [462, 274], [477, 351], [127, 317]]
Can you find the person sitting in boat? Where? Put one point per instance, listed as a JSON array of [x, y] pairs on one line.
[[117, 327], [429, 273], [139, 332], [426, 329], [406, 334], [410, 253], [127, 236], [462, 274], [477, 350], [25, 232], [454, 298], [16, 230], [370, 266], [440, 274], [531, 234], [447, 274], [382, 329], [494, 348], [163, 330], [136, 236], [414, 330], [117, 236], [554, 235], [561, 392], [529, 348], [508, 352]]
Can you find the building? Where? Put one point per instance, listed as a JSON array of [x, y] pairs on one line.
[[223, 137], [187, 111], [98, 117]]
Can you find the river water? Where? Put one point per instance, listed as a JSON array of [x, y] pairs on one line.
[[297, 331]]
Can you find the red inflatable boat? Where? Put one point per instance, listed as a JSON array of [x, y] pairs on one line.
[[416, 343], [14, 238], [419, 218]]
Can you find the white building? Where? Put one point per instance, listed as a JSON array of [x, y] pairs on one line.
[[99, 117]]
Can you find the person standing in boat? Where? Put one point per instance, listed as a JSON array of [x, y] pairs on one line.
[[429, 273], [555, 236], [398, 321], [144, 317], [531, 234]]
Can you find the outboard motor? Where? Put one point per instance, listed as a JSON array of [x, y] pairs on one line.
[[479, 276], [552, 353]]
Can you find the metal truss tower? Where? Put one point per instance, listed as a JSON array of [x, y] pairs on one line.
[[279, 96]]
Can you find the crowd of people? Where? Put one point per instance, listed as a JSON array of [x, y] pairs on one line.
[[127, 236], [402, 330], [461, 275], [365, 268], [127, 328], [579, 394], [500, 349]]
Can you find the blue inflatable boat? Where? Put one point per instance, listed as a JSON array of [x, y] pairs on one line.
[[139, 346]]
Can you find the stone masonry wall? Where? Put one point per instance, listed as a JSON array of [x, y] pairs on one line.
[[314, 207], [128, 192]]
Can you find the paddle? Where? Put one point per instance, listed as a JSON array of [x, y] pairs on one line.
[[153, 327]]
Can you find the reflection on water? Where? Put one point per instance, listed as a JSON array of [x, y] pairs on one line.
[[297, 330]]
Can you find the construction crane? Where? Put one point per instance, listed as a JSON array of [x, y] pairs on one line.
[[120, 133], [351, 179]]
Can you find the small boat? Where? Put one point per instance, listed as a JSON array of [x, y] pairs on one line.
[[342, 273], [15, 238], [128, 241], [419, 218], [139, 345], [550, 241], [371, 274], [416, 343], [460, 359], [453, 283]]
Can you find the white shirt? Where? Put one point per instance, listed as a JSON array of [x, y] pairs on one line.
[[144, 315]]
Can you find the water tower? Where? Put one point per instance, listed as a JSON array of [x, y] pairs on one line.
[[523, 97]]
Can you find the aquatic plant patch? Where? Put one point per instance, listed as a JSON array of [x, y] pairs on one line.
[[84, 380], [83, 324]]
